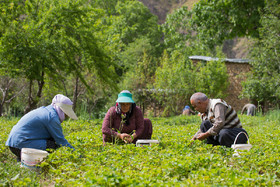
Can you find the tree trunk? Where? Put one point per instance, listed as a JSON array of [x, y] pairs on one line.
[[143, 109], [76, 91], [2, 102], [30, 99], [32, 103], [8, 84], [4, 95], [75, 96], [1, 109]]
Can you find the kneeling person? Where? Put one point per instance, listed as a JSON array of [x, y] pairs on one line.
[[125, 121], [220, 123], [41, 128]]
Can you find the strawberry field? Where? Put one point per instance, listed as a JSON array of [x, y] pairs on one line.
[[174, 162]]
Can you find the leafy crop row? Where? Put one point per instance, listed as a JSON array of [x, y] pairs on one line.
[[173, 162]]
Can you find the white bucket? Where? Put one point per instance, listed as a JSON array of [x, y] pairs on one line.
[[31, 157], [146, 142], [237, 147]]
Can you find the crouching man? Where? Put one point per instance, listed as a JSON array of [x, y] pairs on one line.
[[220, 123]]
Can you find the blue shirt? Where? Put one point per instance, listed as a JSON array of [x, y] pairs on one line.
[[35, 127]]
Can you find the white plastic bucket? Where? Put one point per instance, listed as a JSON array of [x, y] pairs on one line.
[[237, 147], [31, 157], [146, 142]]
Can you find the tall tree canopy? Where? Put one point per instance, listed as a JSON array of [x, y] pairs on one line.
[[55, 45], [130, 22], [264, 82], [53, 38], [218, 20]]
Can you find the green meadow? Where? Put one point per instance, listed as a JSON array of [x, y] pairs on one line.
[[175, 161]]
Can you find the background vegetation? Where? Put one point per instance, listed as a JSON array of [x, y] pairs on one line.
[[91, 50]]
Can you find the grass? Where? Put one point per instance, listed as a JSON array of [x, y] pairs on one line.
[[174, 162]]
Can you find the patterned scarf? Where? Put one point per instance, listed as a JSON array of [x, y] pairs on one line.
[[128, 114]]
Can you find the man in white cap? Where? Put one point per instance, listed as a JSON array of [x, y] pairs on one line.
[[41, 128]]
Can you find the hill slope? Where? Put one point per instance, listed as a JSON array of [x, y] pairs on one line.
[[236, 48]]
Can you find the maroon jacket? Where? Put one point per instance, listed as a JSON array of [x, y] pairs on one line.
[[136, 122]]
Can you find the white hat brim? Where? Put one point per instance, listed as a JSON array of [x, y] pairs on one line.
[[67, 109]]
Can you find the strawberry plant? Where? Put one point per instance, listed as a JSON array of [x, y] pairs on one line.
[[175, 161]]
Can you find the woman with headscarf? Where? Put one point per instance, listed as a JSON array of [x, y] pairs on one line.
[[125, 121], [41, 128]]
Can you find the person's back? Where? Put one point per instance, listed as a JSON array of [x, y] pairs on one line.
[[251, 109], [33, 129], [41, 128]]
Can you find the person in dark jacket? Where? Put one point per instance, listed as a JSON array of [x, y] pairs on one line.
[[41, 128], [125, 121]]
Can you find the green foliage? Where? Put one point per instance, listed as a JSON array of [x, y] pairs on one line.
[[258, 88], [218, 20], [263, 83], [173, 82], [54, 39], [273, 115], [135, 20], [177, 79], [177, 29], [64, 44], [126, 28], [136, 52], [181, 35], [212, 78], [140, 79], [211, 22], [174, 162]]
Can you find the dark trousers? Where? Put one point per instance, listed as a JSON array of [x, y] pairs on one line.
[[148, 131], [225, 137], [50, 145]]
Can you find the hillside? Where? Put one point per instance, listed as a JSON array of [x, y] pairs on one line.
[[236, 48], [163, 7]]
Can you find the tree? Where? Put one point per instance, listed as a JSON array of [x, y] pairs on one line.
[[177, 29], [135, 52], [264, 81], [125, 24], [136, 20], [10, 89], [180, 34], [48, 38], [218, 20], [173, 82], [140, 80], [211, 78]]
